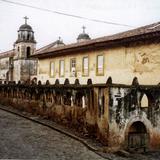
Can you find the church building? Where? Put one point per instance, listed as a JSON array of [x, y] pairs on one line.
[[16, 64]]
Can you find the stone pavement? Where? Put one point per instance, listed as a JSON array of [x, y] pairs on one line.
[[24, 139]]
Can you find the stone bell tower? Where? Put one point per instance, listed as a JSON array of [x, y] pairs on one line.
[[25, 45]]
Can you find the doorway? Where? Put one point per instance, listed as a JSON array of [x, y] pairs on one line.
[[137, 136]]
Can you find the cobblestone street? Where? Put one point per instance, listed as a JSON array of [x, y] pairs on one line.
[[24, 139]]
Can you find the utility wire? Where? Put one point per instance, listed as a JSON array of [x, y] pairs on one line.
[[66, 14]]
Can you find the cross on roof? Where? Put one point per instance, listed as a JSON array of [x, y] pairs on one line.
[[83, 27], [26, 18], [59, 38]]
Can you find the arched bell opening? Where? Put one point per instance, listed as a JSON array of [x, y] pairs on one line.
[[28, 52]]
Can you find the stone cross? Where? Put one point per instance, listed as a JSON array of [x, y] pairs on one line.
[[83, 27], [26, 18]]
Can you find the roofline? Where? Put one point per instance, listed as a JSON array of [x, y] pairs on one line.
[[26, 41], [47, 46], [9, 53], [93, 44]]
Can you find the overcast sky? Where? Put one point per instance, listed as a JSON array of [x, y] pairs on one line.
[[49, 26]]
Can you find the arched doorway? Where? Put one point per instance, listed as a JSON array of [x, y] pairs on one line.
[[137, 136]]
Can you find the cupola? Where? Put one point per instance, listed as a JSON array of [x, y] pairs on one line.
[[83, 36], [25, 33]]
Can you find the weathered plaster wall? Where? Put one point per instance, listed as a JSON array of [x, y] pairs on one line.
[[4, 67], [16, 70], [24, 69], [125, 109], [109, 112], [21, 49], [121, 63], [68, 105]]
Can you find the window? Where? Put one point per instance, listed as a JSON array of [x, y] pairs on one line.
[[28, 52], [100, 65], [52, 69], [18, 49], [61, 68], [73, 67], [28, 36], [11, 62], [85, 66]]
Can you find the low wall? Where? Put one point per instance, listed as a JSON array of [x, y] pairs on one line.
[[69, 104], [108, 112]]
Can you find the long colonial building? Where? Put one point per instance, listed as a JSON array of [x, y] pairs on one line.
[[123, 56]]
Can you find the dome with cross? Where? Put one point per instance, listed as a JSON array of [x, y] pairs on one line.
[[25, 33], [83, 36], [25, 27]]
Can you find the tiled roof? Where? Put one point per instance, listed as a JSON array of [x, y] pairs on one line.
[[9, 53], [131, 34], [43, 49], [50, 46]]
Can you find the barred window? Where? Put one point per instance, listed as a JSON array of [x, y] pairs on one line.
[[73, 67]]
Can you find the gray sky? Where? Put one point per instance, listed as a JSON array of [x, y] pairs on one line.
[[48, 26]]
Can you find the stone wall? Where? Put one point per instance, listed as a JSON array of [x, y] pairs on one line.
[[134, 111], [118, 115], [24, 69], [4, 68], [69, 104]]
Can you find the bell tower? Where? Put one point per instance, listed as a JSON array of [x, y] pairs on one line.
[[24, 46]]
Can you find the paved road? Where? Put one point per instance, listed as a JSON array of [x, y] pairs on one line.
[[24, 139]]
